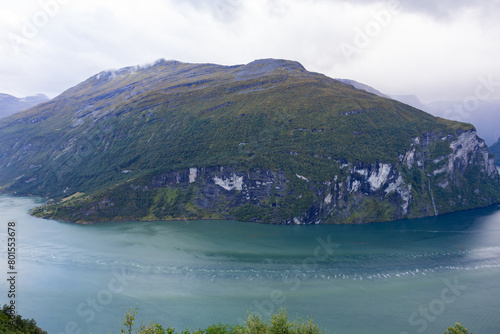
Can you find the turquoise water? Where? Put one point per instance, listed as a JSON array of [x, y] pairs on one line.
[[413, 276]]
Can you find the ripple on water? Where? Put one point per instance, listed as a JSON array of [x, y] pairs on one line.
[[358, 267]]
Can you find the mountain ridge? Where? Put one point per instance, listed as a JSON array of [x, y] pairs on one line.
[[267, 141], [10, 104], [484, 115], [369, 89], [495, 149]]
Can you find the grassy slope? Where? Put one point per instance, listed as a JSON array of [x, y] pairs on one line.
[[173, 115]]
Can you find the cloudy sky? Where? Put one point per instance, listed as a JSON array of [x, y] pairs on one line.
[[435, 49]]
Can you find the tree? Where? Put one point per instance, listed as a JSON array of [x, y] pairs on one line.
[[457, 329], [129, 320]]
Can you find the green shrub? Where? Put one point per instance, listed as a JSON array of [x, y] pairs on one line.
[[17, 325], [457, 329]]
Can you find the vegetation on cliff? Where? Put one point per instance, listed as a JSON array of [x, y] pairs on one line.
[[97, 149]]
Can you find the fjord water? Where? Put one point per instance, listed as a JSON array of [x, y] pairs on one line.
[[412, 276]]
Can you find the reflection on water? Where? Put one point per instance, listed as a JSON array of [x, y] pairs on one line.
[[349, 278]]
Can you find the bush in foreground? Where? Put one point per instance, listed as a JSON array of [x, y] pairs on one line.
[[16, 324], [279, 324], [457, 329]]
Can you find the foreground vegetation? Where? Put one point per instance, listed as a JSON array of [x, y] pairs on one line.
[[254, 324], [457, 329], [17, 325], [279, 324]]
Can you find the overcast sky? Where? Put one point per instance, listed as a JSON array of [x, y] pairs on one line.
[[435, 49]]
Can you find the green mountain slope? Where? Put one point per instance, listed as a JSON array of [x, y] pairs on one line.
[[258, 142]]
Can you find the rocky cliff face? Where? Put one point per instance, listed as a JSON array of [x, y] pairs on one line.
[[436, 175]]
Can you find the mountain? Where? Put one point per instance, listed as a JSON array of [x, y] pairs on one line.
[[411, 100], [495, 149], [485, 115], [362, 86], [10, 104], [267, 141]]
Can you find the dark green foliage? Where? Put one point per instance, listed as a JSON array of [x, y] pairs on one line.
[[457, 329], [18, 325], [248, 212], [439, 148], [371, 211], [220, 329]]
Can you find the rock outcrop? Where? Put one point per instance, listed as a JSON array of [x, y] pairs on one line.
[[432, 177]]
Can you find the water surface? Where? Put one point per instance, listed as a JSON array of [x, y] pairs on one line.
[[412, 276]]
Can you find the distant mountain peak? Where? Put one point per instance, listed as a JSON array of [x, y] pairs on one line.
[[10, 104], [115, 73], [411, 100], [271, 64], [362, 86], [251, 70], [266, 66]]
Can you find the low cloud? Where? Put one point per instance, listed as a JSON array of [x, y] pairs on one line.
[[435, 50]]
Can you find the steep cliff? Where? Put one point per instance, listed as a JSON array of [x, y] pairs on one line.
[[436, 175]]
